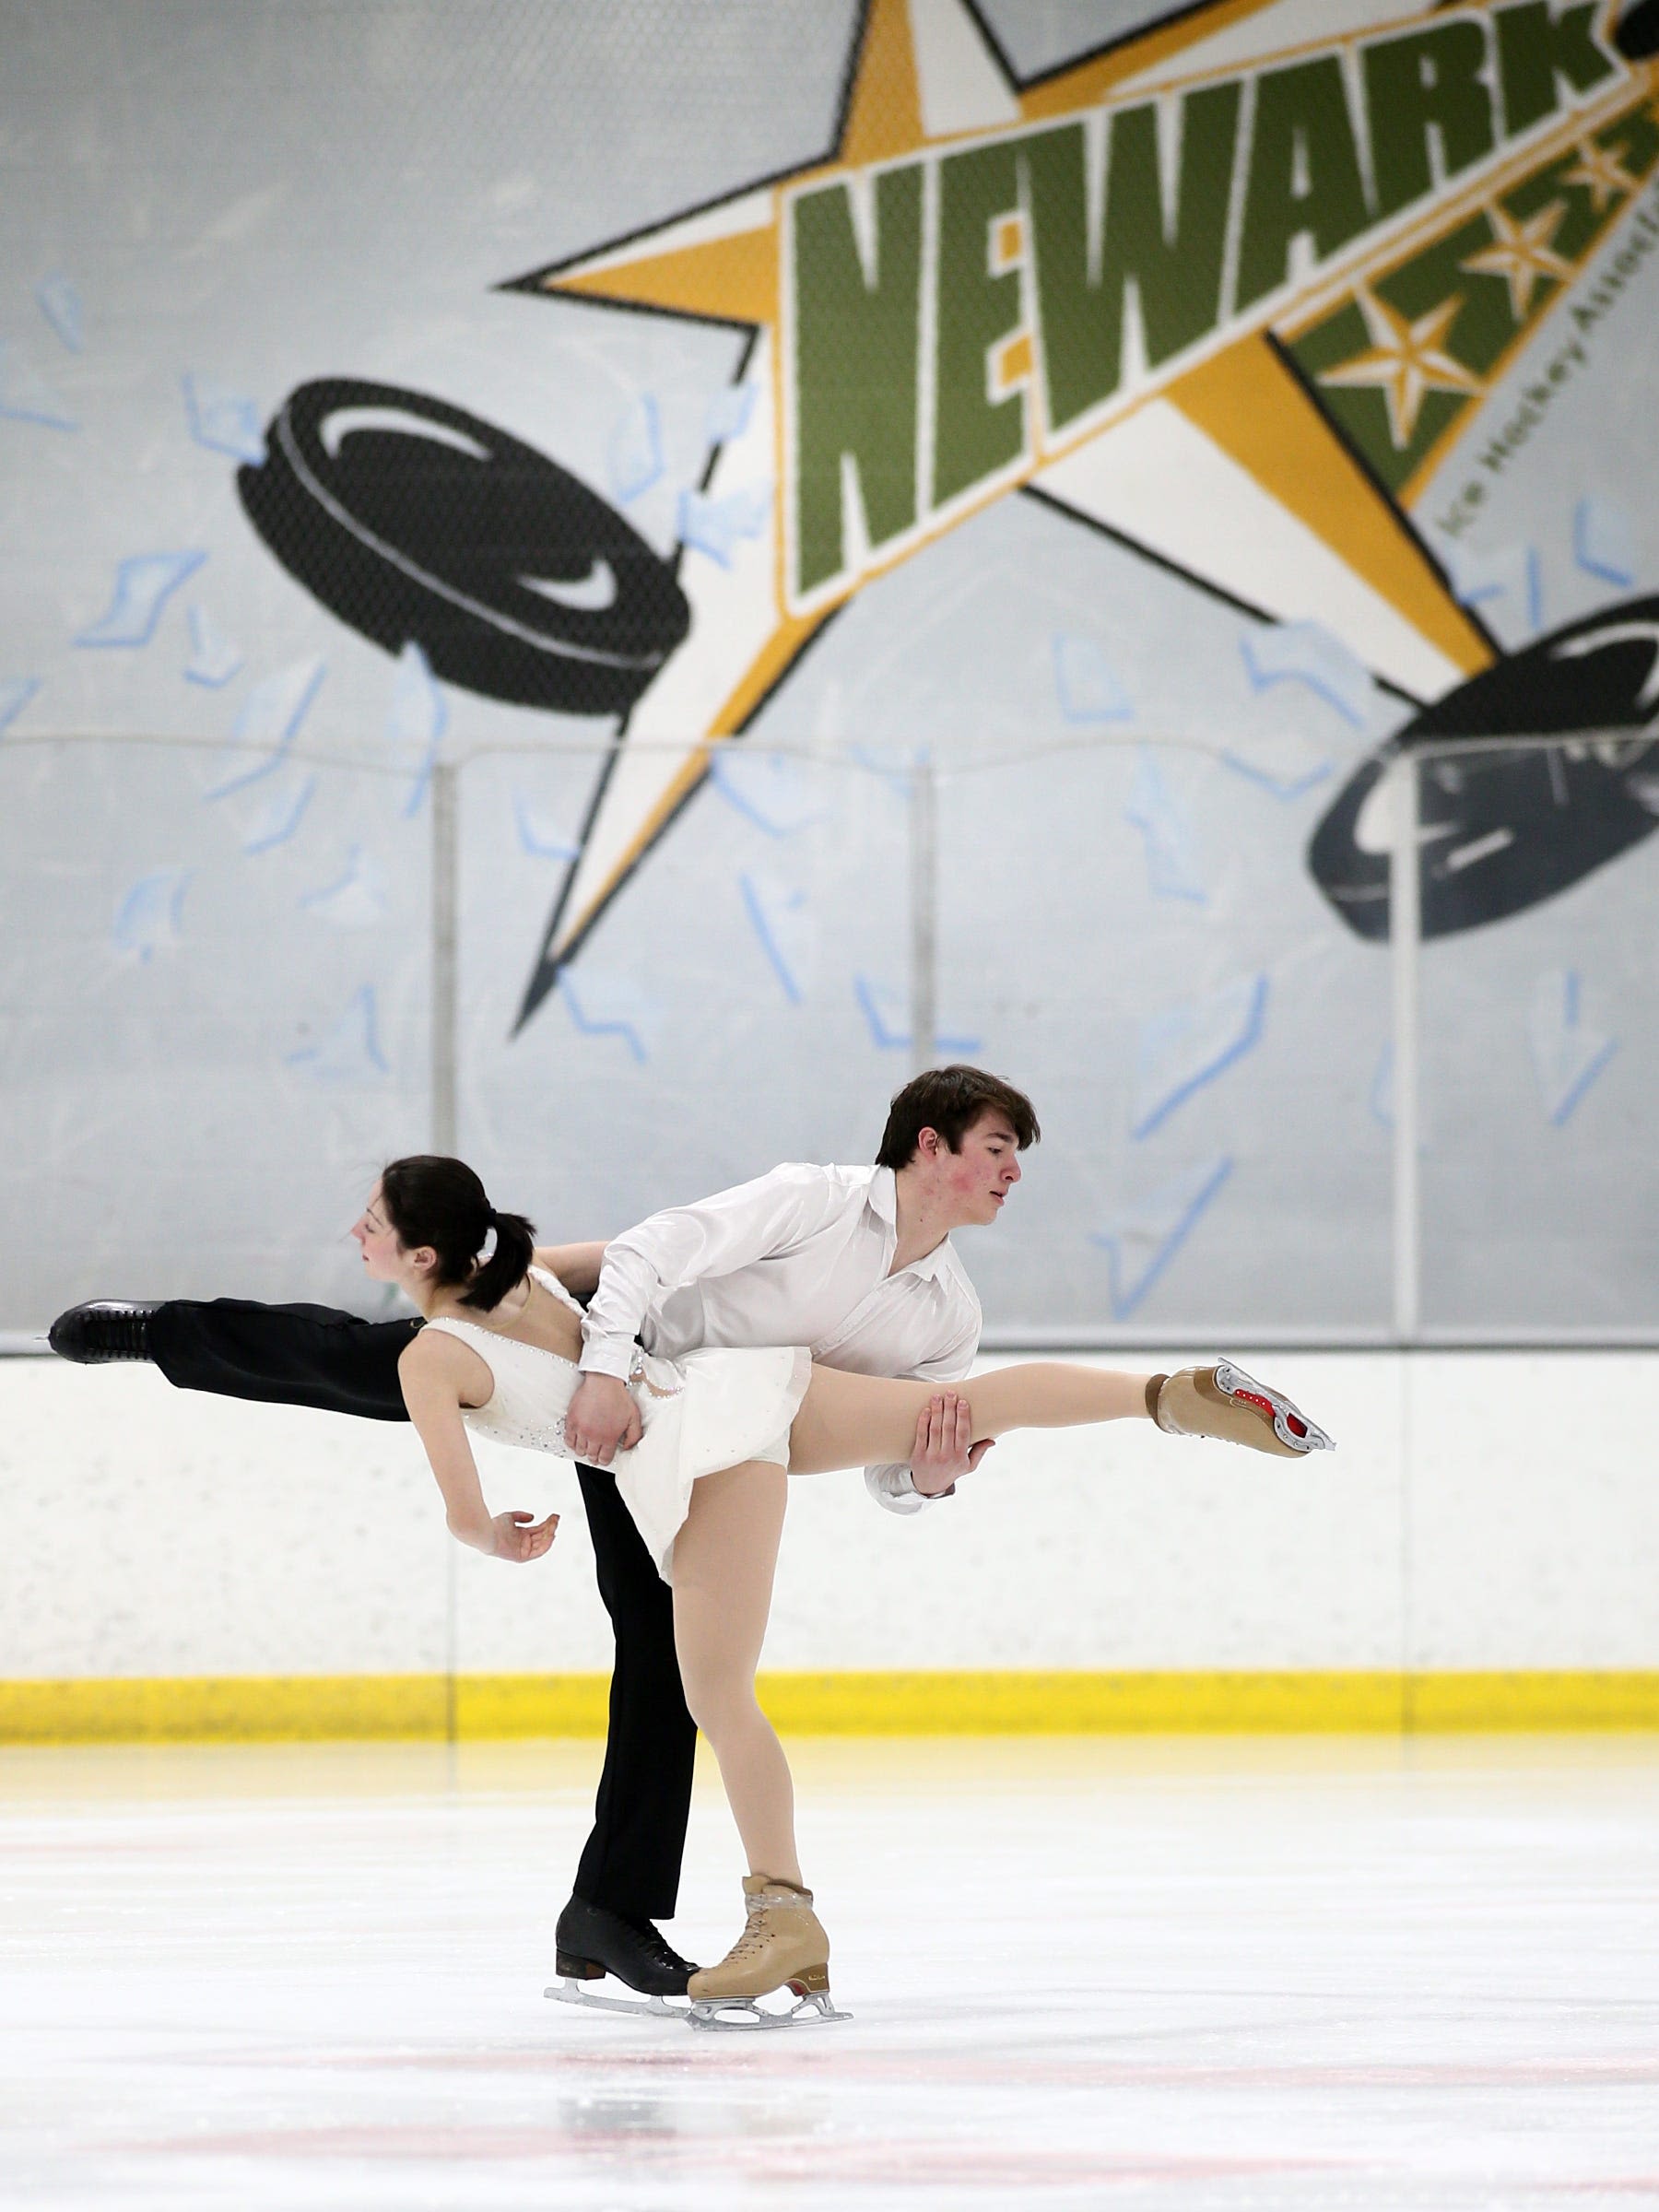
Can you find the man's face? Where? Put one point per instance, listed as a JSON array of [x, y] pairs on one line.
[[976, 1179]]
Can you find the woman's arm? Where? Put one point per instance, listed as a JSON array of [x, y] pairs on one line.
[[433, 1373], [576, 1265]]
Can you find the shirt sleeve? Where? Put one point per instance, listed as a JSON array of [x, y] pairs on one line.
[[686, 1243], [891, 1486]]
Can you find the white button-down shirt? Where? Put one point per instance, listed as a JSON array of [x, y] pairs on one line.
[[803, 1255]]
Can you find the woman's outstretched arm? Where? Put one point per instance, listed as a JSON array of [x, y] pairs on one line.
[[434, 1373]]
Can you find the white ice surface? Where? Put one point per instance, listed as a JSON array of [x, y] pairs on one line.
[[1198, 1973]]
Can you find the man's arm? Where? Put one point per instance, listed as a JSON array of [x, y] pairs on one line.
[[685, 1243], [576, 1265], [936, 1457]]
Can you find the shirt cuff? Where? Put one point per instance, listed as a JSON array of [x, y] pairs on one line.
[[891, 1487], [607, 1356]]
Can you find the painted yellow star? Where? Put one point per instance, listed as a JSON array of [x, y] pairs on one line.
[[1601, 172], [1520, 253], [1407, 360]]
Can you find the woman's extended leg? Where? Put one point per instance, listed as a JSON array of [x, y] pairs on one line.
[[856, 1420], [724, 1558]]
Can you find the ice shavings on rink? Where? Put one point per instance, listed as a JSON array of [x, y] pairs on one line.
[[1145, 1235], [1139, 1975], [143, 584], [1568, 1053], [1186, 1047]]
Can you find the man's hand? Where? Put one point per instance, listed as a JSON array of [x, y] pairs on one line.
[[945, 1450], [521, 1536], [602, 1419]]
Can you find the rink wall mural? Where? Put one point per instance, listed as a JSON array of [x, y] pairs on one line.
[[647, 457]]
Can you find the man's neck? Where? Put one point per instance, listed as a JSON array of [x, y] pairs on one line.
[[923, 1222]]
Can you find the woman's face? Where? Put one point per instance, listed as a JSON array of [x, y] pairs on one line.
[[384, 1259]]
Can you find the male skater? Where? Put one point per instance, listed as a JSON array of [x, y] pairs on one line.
[[855, 1262]]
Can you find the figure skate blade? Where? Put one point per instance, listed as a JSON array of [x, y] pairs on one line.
[[1290, 1424], [743, 2015], [571, 1992]]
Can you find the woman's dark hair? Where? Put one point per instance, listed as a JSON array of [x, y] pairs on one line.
[[431, 1200], [951, 1100]]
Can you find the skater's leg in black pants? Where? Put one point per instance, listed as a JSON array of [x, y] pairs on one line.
[[631, 1863], [282, 1355]]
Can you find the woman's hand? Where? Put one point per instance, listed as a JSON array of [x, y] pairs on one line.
[[520, 1537]]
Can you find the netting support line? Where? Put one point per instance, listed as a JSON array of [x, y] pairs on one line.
[[1406, 940], [924, 893]]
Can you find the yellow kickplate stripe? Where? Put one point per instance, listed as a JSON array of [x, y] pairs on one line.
[[249, 1708]]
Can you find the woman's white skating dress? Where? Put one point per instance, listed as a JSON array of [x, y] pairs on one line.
[[708, 1410]]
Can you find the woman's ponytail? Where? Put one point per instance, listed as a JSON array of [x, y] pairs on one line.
[[507, 1264]]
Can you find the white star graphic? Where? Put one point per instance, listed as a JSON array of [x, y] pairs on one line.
[[1601, 172], [1407, 360], [1520, 253]]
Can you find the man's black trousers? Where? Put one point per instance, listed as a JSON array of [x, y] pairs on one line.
[[315, 1356]]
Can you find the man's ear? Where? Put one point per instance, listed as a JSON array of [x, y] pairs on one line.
[[929, 1142]]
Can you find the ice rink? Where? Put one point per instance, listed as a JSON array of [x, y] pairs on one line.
[[1187, 1972]]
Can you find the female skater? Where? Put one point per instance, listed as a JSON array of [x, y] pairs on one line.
[[706, 1483]]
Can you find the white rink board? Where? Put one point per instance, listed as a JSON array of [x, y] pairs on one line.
[[1485, 1510]]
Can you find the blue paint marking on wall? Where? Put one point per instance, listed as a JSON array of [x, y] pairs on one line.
[[879, 1004], [1306, 653], [592, 1022], [277, 808], [634, 455], [266, 725], [763, 909], [416, 721], [715, 527], [1179, 1051], [143, 584], [26, 395], [1567, 1055], [356, 899], [223, 421], [1172, 865], [349, 1052], [1144, 1240], [14, 694], [1087, 686], [150, 916], [769, 789], [60, 302], [538, 837], [1604, 542], [729, 413], [214, 660]]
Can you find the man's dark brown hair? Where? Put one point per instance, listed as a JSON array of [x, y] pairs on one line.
[[951, 1100]]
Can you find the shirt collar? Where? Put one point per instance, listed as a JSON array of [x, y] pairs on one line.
[[883, 1202]]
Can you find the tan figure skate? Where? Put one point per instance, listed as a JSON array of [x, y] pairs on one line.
[[782, 1946], [1224, 1401]]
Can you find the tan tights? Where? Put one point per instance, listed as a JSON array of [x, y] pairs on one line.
[[725, 1555]]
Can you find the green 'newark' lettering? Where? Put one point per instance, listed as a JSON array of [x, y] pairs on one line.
[[1172, 257], [974, 435], [855, 355], [1436, 104]]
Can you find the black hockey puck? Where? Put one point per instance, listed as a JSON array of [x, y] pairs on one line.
[[413, 520], [1507, 826]]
